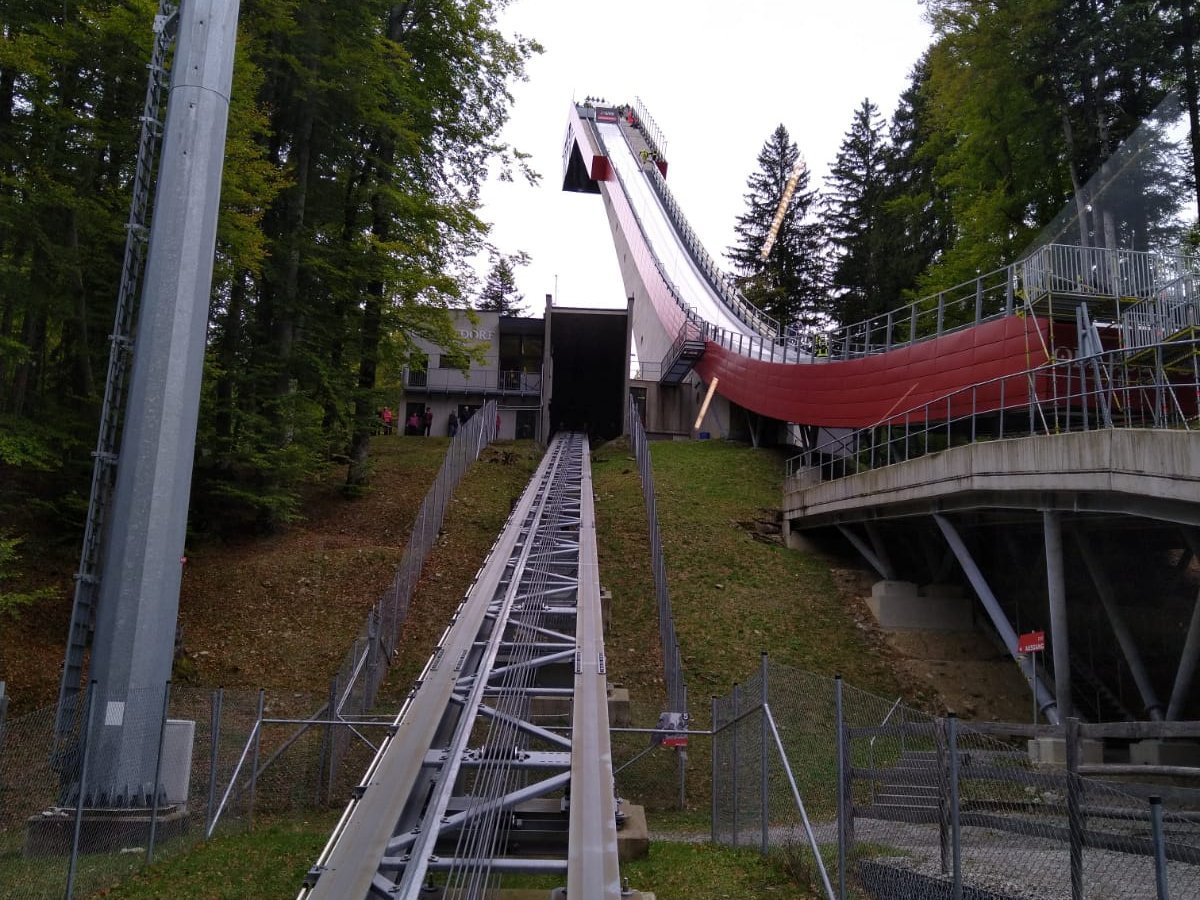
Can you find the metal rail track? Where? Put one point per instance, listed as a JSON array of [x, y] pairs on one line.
[[468, 787]]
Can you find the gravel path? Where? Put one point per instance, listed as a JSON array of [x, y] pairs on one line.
[[1014, 865]]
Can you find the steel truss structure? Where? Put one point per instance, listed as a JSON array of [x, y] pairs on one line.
[[468, 787]]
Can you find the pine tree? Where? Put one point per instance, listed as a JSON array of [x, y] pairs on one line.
[[500, 293], [917, 225], [854, 218], [789, 284]]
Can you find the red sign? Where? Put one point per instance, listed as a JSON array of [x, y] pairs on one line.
[[675, 740], [1032, 642]]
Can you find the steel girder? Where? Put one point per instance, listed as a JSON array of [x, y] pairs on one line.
[[466, 769]]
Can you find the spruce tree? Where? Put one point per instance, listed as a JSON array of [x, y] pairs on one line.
[[917, 224], [853, 210], [788, 284], [500, 292]]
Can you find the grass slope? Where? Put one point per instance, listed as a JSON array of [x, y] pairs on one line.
[[733, 596]]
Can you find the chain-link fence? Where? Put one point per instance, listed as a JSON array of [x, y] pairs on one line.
[[353, 689], [222, 756], [672, 662], [902, 804], [50, 847]]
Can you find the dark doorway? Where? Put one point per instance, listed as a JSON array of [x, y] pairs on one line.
[[590, 366]]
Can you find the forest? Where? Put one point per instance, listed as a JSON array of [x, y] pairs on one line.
[[1013, 121], [359, 137]]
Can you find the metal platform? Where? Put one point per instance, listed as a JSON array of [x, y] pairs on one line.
[[467, 787]]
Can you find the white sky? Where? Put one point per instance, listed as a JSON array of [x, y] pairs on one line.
[[717, 77]]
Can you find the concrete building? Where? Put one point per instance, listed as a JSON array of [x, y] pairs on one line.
[[565, 370]]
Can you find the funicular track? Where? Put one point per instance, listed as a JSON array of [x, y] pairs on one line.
[[467, 788]]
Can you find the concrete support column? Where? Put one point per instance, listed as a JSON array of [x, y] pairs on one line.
[[1133, 659], [1060, 642], [1045, 699]]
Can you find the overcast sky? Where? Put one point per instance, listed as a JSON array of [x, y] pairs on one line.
[[718, 78]]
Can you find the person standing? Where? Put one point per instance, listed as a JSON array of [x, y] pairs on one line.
[[452, 428], [428, 420], [387, 417], [413, 426]]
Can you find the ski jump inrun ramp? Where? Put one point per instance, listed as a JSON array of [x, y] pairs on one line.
[[684, 306]]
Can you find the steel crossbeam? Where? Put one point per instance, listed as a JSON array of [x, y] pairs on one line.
[[465, 764]]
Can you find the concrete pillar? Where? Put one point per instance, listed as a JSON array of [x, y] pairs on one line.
[[1060, 642]]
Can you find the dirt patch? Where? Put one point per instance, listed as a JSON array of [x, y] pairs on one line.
[[277, 612], [941, 671]]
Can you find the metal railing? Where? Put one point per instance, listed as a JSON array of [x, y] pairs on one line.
[[1172, 310], [483, 381], [1122, 276], [1117, 388]]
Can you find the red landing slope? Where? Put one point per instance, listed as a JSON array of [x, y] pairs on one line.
[[870, 390]]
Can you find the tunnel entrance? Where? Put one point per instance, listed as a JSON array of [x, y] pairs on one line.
[[589, 352]]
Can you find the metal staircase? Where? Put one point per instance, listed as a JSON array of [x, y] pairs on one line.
[[137, 234], [685, 352]]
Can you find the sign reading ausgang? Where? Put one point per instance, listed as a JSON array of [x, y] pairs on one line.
[[1031, 642]]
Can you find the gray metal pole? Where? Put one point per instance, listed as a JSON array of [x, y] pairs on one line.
[[955, 824], [681, 753], [879, 564], [139, 599], [843, 833], [1000, 621], [1137, 668], [1060, 641], [1160, 848], [258, 727], [1074, 808], [1187, 665], [162, 737], [214, 758], [734, 779], [764, 782], [714, 781], [86, 730]]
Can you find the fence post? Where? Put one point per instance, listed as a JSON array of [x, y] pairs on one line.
[[83, 765], [681, 752], [943, 769], [714, 782], [845, 826], [1074, 807], [162, 737], [764, 786], [326, 758], [1160, 848], [372, 666], [218, 697], [734, 779], [955, 829], [258, 726]]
